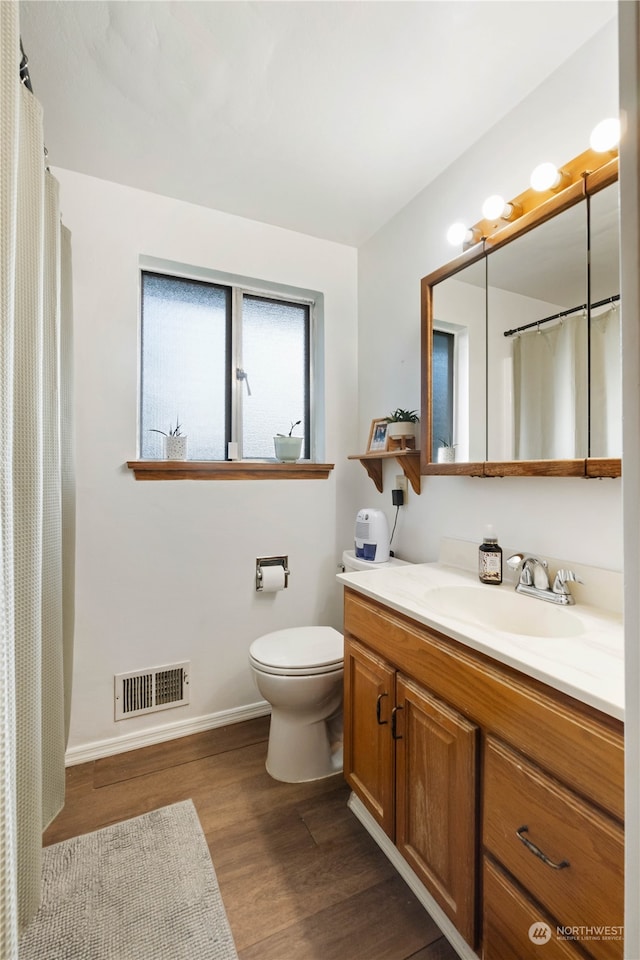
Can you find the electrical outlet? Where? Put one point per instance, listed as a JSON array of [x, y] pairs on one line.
[[402, 484]]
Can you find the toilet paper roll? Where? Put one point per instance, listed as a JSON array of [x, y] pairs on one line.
[[272, 579]]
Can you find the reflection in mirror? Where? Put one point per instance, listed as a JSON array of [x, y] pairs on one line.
[[605, 400], [537, 342], [458, 415]]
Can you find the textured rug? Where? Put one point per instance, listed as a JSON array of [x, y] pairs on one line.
[[144, 889]]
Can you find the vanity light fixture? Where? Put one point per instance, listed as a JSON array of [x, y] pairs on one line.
[[546, 176], [499, 214], [605, 136], [496, 207]]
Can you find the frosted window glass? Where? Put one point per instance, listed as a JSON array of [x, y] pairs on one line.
[[275, 356], [442, 395], [184, 365]]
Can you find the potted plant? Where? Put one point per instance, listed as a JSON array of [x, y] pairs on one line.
[[175, 442], [402, 423], [287, 446], [446, 451]]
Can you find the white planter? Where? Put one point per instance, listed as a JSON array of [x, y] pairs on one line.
[[401, 428], [175, 448], [446, 455], [288, 449]]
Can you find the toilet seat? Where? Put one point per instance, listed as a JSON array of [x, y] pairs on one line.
[[298, 651]]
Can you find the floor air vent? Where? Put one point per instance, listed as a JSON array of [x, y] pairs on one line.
[[145, 691]]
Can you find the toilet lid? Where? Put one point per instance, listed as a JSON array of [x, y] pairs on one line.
[[300, 649]]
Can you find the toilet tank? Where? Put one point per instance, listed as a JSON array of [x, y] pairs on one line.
[[352, 563]]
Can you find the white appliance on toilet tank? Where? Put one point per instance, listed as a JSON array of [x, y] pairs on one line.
[[371, 536], [299, 671]]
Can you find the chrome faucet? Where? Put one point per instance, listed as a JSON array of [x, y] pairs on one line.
[[534, 579]]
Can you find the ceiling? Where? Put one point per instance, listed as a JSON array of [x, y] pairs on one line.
[[320, 117]]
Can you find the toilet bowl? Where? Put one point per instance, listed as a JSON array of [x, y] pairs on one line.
[[299, 671]]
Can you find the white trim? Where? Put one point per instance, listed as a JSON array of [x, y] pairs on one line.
[[169, 731], [459, 944], [629, 57]]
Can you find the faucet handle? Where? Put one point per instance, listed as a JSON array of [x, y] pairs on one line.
[[533, 570], [562, 578]]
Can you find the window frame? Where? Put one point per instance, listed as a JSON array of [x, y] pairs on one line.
[[240, 286]]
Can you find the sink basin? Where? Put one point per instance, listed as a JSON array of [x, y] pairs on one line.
[[496, 609]]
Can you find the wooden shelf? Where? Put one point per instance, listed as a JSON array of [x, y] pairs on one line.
[[409, 461], [227, 470]]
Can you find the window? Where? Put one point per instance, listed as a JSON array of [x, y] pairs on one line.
[[442, 398], [229, 363]]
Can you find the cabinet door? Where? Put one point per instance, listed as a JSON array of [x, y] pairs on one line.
[[368, 746], [436, 797]]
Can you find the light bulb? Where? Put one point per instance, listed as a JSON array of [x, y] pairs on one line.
[[494, 207], [606, 135], [457, 234], [546, 176]]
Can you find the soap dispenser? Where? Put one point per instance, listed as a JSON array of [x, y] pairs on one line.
[[490, 558]]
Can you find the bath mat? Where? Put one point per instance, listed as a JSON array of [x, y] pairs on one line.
[[143, 889]]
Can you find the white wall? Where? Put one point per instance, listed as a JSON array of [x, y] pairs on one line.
[[166, 570], [563, 517]]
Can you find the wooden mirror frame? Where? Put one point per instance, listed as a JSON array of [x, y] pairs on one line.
[[585, 175]]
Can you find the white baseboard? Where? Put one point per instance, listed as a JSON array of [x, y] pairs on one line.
[[168, 731], [459, 944]]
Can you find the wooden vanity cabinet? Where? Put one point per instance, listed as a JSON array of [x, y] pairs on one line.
[[412, 760], [434, 732]]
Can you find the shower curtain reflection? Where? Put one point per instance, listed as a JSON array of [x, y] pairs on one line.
[[550, 392], [551, 384]]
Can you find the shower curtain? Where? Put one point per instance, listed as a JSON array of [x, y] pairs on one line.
[[550, 381], [606, 384], [36, 493]]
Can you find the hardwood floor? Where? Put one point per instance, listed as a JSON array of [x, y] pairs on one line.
[[300, 877]]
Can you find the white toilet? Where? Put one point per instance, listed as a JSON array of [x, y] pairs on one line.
[[299, 672]]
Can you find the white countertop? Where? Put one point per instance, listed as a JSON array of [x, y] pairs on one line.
[[589, 666]]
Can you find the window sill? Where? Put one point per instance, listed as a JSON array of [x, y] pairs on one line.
[[227, 470]]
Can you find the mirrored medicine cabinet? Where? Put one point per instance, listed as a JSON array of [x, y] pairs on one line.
[[521, 364]]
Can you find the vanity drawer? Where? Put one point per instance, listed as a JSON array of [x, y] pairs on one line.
[[511, 923], [519, 798]]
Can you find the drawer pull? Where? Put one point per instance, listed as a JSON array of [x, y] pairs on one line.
[[538, 852], [378, 708], [394, 717]]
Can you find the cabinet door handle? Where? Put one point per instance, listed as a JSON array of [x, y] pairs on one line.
[[394, 717], [538, 852], [379, 707]]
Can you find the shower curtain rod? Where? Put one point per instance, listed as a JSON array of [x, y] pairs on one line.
[[559, 316]]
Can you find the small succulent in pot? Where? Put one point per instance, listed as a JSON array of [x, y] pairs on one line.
[[175, 442], [446, 451], [402, 423], [288, 447]]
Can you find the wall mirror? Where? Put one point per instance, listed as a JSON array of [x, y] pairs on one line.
[[521, 343]]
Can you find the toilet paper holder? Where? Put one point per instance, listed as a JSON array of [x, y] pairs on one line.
[[271, 562]]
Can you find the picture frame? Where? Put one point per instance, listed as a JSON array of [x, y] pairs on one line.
[[378, 436]]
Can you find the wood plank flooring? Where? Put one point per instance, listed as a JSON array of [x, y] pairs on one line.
[[300, 877]]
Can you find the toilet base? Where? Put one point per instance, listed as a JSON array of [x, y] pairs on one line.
[[300, 752]]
